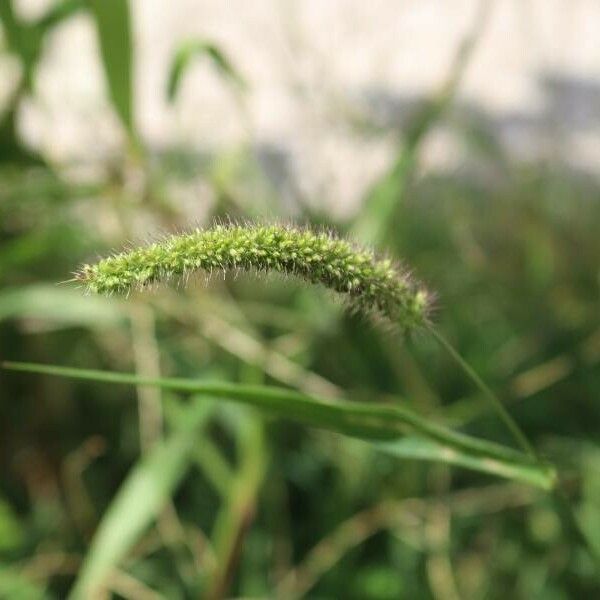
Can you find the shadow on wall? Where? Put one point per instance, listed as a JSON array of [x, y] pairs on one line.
[[570, 107]]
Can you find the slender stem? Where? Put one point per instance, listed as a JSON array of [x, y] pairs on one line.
[[487, 392], [147, 362], [562, 505]]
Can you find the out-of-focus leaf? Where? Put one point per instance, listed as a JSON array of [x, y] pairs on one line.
[[412, 447], [9, 23], [33, 246], [191, 49], [11, 149], [38, 189], [590, 507], [58, 305], [11, 532], [375, 422], [59, 12], [26, 41], [239, 503], [21, 38], [144, 492], [377, 220], [113, 24], [387, 193], [16, 587]]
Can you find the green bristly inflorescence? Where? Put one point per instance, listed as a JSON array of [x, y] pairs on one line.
[[371, 285]]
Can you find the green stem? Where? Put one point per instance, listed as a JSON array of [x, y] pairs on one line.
[[562, 505], [487, 392], [235, 517]]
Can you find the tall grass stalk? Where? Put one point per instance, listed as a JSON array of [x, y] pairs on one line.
[[370, 284]]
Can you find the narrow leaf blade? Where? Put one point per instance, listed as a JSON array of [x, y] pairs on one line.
[[113, 23], [375, 422], [419, 448], [196, 48], [142, 495]]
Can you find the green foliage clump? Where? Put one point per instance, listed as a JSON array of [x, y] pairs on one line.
[[372, 285]]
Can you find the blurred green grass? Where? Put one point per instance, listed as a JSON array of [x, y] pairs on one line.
[[268, 508]]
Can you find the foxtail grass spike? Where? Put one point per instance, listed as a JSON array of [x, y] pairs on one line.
[[370, 285]]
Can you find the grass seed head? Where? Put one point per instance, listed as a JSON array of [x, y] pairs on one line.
[[370, 285]]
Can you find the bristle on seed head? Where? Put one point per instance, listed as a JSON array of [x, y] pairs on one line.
[[370, 284]]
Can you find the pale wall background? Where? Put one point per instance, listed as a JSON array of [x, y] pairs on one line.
[[315, 65]]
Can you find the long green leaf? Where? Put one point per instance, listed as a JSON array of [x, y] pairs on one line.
[[113, 23], [139, 500], [371, 421], [420, 448]]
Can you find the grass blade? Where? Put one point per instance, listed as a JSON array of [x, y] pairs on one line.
[[59, 12], [113, 24], [376, 222], [376, 422], [419, 448], [236, 512], [192, 49], [142, 495]]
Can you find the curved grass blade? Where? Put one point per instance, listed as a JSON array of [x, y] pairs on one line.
[[60, 11], [26, 39], [374, 422], [192, 49]]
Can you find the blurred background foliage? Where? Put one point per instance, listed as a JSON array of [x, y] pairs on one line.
[[253, 507]]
